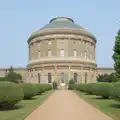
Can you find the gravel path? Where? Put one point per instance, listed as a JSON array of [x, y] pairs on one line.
[[66, 105]]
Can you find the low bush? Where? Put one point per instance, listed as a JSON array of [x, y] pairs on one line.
[[55, 85], [30, 90], [99, 89], [10, 94], [71, 81], [44, 87], [89, 88], [103, 89], [116, 91]]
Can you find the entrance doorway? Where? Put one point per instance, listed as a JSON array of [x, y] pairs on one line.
[[62, 79]]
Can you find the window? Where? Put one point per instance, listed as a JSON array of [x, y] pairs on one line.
[[39, 54], [49, 53], [62, 77], [62, 52], [75, 77], [49, 77], [74, 53]]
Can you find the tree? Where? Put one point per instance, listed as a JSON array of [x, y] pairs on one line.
[[108, 78], [116, 55], [13, 77]]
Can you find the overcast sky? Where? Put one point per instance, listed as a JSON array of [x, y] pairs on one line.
[[19, 18]]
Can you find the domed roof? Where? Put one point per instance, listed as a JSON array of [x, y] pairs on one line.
[[59, 23]]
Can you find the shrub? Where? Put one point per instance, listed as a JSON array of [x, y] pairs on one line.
[[13, 77], [30, 90], [55, 85], [44, 87], [103, 89], [10, 94], [71, 81], [88, 88], [116, 91], [71, 86]]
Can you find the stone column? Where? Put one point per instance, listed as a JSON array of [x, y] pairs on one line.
[[82, 75], [69, 73], [42, 75]]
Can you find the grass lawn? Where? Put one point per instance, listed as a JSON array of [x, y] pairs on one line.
[[23, 108], [108, 106]]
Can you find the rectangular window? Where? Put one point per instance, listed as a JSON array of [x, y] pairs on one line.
[[62, 52], [49, 53], [75, 53]]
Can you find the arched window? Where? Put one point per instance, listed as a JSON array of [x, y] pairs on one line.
[[75, 77], [74, 52], [49, 53], [38, 77], [62, 77], [62, 52], [49, 77]]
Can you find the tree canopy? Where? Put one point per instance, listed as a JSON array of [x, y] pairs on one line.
[[116, 55]]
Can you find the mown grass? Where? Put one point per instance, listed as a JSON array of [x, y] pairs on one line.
[[23, 108], [108, 106]]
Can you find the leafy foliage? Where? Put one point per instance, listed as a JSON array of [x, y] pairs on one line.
[[29, 90], [100, 89], [13, 77], [108, 78], [116, 55], [71, 81], [10, 94], [55, 85], [116, 91]]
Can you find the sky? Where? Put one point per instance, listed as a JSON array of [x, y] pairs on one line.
[[19, 18]]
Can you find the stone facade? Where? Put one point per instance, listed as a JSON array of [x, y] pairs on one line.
[[61, 51]]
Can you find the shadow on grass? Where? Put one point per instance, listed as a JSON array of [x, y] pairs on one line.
[[101, 98], [115, 106], [16, 107], [33, 98]]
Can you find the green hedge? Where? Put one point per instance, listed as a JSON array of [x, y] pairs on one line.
[[30, 90], [99, 89], [44, 87], [116, 91], [103, 89], [10, 94]]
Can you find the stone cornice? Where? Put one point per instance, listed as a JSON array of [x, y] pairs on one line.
[[62, 60], [63, 31]]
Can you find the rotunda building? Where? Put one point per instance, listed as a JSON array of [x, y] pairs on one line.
[[61, 51]]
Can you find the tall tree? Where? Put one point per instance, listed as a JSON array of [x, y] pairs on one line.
[[116, 55]]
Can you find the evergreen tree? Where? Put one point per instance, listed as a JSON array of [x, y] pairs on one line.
[[116, 55], [13, 76]]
